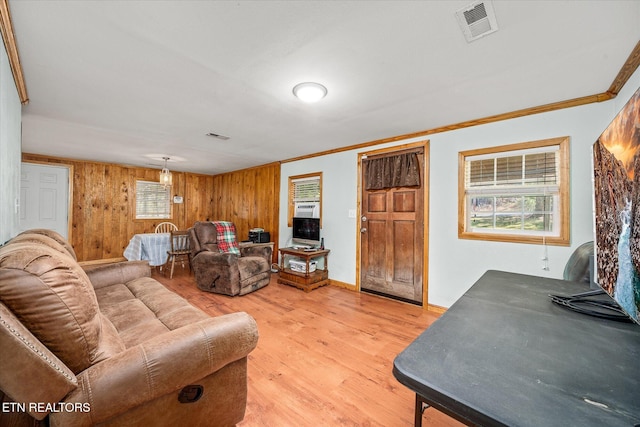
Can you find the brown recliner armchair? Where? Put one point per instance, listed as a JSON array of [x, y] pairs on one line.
[[111, 345], [227, 273]]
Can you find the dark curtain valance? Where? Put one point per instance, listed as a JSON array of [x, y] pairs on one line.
[[401, 170]]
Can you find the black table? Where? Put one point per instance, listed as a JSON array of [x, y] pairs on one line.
[[505, 355]]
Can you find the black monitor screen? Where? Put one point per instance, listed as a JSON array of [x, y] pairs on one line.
[[306, 230]]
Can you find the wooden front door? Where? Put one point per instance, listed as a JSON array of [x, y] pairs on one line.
[[392, 239]]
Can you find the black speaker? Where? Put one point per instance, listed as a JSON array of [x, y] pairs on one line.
[[259, 236]]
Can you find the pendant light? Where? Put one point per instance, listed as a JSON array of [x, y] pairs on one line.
[[166, 178]]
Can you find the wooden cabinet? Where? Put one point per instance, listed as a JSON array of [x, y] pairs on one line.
[[306, 279]]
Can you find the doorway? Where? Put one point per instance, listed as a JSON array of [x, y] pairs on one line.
[[44, 197], [392, 244]]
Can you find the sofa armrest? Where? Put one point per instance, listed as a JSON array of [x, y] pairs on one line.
[[120, 272], [216, 259], [263, 251], [27, 365], [162, 365]]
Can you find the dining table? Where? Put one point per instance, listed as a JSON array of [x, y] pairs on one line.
[[506, 355], [152, 247]]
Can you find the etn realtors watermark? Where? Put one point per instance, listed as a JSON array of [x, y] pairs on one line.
[[45, 407]]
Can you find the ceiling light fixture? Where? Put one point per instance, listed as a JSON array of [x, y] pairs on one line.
[[166, 179], [310, 91]]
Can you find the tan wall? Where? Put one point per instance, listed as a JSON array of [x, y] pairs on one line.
[[250, 198], [103, 202]]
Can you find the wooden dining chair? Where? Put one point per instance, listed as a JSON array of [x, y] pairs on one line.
[[180, 248], [166, 227]]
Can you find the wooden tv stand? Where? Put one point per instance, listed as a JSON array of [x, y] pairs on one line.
[[308, 280]]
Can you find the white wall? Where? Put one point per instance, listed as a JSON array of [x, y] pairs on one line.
[[455, 264], [10, 150], [339, 195]]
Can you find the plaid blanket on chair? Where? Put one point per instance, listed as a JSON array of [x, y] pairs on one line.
[[226, 237]]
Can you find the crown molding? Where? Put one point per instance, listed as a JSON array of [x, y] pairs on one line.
[[626, 71], [630, 66], [6, 27]]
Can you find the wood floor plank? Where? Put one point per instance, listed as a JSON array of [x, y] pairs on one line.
[[324, 358]]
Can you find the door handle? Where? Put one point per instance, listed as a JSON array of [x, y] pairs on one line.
[[363, 229]]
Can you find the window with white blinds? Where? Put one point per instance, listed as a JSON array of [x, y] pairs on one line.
[[517, 190], [529, 169], [304, 189], [152, 200]]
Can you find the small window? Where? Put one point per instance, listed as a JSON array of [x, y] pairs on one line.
[[305, 191], [515, 193], [152, 200]]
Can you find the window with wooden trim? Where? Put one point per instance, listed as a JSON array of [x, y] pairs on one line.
[[152, 200], [305, 195], [515, 193]]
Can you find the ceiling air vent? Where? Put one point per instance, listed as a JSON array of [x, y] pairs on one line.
[[218, 136], [477, 20]]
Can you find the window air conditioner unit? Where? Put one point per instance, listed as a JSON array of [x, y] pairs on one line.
[[307, 210]]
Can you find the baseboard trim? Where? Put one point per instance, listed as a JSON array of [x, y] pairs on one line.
[[344, 285], [436, 308]]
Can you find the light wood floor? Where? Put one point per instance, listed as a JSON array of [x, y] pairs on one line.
[[324, 358]]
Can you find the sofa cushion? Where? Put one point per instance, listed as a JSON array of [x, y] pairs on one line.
[[52, 296], [226, 237], [143, 308]]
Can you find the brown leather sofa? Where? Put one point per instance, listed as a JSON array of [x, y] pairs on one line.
[[111, 346], [227, 273]]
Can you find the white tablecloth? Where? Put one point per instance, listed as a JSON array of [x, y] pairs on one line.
[[149, 246]]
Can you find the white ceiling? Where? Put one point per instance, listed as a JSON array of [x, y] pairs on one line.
[[129, 82]]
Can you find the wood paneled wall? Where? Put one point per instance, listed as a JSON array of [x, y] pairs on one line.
[[250, 198], [103, 202]]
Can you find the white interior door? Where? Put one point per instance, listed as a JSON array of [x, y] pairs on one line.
[[44, 198]]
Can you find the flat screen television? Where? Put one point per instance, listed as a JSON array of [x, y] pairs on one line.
[[616, 212], [306, 231], [616, 195]]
